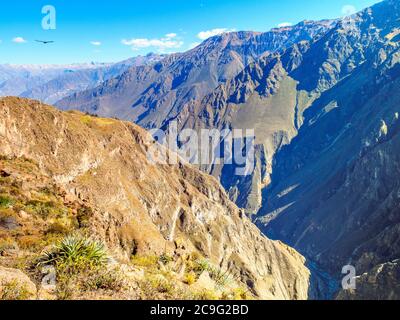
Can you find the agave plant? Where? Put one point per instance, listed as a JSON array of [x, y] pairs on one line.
[[75, 250]]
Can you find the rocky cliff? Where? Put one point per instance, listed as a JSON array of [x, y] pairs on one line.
[[325, 114], [139, 208], [379, 283]]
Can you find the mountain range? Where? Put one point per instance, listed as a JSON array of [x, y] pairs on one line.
[[323, 98], [51, 83]]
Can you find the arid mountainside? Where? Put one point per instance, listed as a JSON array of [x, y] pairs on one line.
[[335, 188], [152, 96], [76, 81], [138, 208], [323, 99], [325, 115], [273, 94], [183, 87], [334, 191]]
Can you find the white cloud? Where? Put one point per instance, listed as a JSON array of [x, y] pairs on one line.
[[95, 43], [285, 24], [348, 10], [171, 35], [19, 40], [169, 42], [203, 35]]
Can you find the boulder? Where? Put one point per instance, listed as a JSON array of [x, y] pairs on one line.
[[204, 282], [15, 285]]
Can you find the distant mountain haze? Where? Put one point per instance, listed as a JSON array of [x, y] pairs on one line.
[[50, 83]]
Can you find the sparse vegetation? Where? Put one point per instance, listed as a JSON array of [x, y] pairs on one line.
[[30, 242], [33, 216], [197, 266], [14, 291], [205, 295], [161, 284], [5, 202], [165, 259], [145, 261], [44, 209], [40, 218], [81, 266], [76, 252], [190, 278], [83, 216], [104, 280], [7, 243]]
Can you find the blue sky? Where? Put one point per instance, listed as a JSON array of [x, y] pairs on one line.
[[107, 31]]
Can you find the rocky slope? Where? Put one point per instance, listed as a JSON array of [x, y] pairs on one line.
[[334, 191], [139, 208], [380, 283], [325, 114], [272, 94], [263, 97], [324, 106]]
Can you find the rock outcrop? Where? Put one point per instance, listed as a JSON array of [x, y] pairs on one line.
[[380, 283], [15, 284]]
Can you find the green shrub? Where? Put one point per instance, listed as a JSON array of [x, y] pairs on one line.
[[45, 209], [76, 251], [5, 201], [156, 286], [198, 266], [80, 265], [221, 278], [165, 259], [162, 285], [190, 278]]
